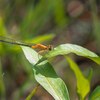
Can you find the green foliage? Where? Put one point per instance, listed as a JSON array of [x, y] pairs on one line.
[[2, 87], [95, 95], [59, 13], [94, 13], [36, 17], [3, 33], [72, 48], [2, 27], [83, 84], [42, 38], [90, 74], [9, 49], [46, 76]]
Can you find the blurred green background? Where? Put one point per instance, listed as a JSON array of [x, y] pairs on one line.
[[48, 22]]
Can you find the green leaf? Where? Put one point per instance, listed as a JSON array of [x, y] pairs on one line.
[[72, 48], [42, 38], [95, 59], [31, 94], [95, 95], [83, 85], [46, 76], [90, 74]]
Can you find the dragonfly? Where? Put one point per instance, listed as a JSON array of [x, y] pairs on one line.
[[31, 45]]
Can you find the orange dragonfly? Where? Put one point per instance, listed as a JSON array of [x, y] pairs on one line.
[[31, 45]]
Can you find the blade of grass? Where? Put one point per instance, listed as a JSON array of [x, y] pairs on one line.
[[31, 94], [90, 74]]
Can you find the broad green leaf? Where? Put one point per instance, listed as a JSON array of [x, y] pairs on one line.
[[95, 95], [72, 48], [31, 94], [83, 85], [46, 76], [31, 55]]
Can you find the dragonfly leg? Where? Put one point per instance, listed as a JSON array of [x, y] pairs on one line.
[[42, 52]]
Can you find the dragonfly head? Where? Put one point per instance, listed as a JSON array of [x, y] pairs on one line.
[[50, 47]]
